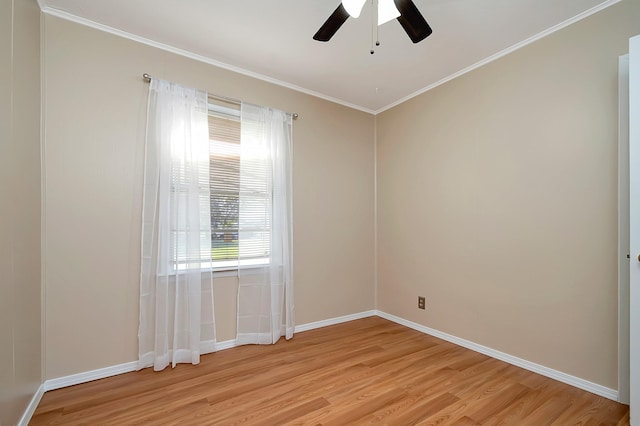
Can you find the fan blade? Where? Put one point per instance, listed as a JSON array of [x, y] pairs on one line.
[[332, 25], [412, 21]]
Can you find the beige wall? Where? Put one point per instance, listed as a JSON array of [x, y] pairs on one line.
[[96, 109], [20, 288], [497, 200]]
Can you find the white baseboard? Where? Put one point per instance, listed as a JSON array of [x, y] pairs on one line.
[[227, 344], [114, 370], [88, 376], [523, 363], [127, 367], [333, 321], [31, 408]]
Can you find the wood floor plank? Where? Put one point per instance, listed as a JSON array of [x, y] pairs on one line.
[[419, 393], [369, 371]]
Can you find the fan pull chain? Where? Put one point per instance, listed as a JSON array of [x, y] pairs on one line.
[[374, 26]]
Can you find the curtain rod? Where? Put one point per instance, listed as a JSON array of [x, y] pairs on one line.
[[147, 78]]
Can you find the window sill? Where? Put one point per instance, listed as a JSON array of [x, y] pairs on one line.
[[222, 269], [225, 273]]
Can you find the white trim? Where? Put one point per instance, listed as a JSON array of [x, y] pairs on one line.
[[227, 344], [634, 230], [519, 362], [504, 52], [623, 230], [577, 382], [88, 376], [334, 321], [31, 408], [127, 367], [89, 23]]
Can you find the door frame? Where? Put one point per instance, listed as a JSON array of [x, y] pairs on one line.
[[634, 229], [623, 229]]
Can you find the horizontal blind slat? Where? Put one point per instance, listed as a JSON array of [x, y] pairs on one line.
[[227, 198]]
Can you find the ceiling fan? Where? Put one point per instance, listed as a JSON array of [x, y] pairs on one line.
[[405, 11]]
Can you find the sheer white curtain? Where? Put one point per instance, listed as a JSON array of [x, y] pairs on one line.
[[176, 286], [265, 291]]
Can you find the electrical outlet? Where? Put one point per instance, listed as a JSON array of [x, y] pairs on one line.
[[421, 302]]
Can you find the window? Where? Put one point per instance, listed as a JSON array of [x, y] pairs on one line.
[[225, 187], [224, 183]]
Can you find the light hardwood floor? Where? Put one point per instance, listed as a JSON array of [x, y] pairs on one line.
[[369, 371]]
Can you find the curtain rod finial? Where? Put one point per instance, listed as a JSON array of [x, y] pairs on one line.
[[146, 77]]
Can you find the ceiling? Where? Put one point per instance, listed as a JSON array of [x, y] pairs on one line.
[[272, 39]]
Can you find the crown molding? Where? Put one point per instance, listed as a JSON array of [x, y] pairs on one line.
[[195, 56], [503, 52], [201, 58]]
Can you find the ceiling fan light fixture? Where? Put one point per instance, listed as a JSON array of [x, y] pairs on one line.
[[387, 11], [354, 7], [406, 12]]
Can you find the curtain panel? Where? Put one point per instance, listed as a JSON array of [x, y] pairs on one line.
[[265, 285], [176, 285]]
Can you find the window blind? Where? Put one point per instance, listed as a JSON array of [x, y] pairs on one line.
[[225, 186], [224, 183]]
